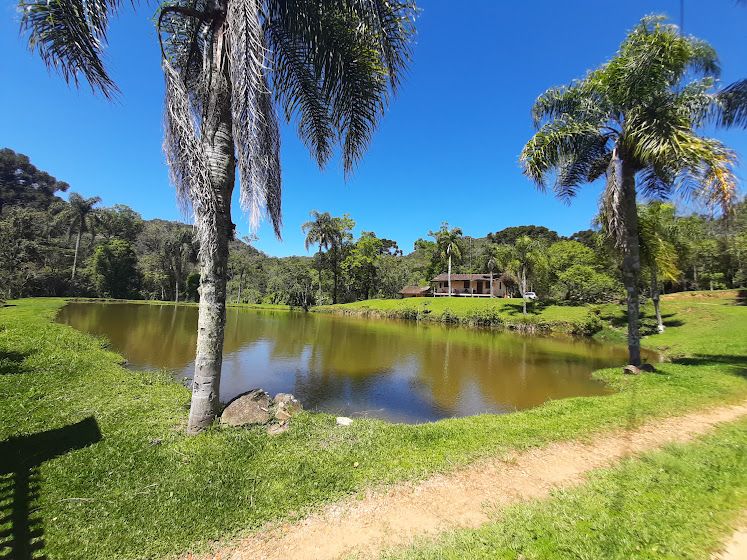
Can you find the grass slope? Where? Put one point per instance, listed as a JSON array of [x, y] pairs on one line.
[[476, 311], [144, 490], [676, 503]]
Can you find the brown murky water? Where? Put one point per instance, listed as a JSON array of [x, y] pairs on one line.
[[400, 371]]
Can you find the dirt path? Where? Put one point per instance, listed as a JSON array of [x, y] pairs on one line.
[[462, 498], [736, 547]]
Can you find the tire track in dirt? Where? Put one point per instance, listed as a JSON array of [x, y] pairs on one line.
[[463, 498]]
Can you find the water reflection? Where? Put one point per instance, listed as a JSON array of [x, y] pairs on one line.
[[399, 371]]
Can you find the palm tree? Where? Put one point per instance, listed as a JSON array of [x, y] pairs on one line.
[[448, 245], [179, 250], [321, 230], [633, 120], [329, 65], [524, 259], [80, 216], [656, 231]]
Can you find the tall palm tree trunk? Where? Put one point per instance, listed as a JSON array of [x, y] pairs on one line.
[[77, 249], [319, 300], [524, 289], [449, 274], [218, 228], [631, 264], [655, 298], [336, 278]]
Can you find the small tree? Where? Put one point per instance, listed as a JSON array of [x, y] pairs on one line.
[[114, 269], [657, 232]]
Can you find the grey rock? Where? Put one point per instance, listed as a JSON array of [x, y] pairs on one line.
[[286, 406], [277, 429], [247, 409], [344, 421], [630, 369]]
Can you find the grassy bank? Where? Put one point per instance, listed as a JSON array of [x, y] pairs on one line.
[[680, 502], [269, 306], [141, 489], [476, 312]]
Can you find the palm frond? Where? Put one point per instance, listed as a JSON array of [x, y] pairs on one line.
[[581, 101], [567, 146], [185, 156], [355, 51], [70, 36], [254, 123], [732, 102], [297, 90]]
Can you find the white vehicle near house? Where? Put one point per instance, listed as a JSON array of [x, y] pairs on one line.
[[530, 295]]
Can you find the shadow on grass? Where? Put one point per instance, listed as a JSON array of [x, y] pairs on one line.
[[737, 365], [12, 362], [21, 528], [518, 308]]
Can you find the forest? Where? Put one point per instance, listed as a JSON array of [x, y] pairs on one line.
[[78, 247]]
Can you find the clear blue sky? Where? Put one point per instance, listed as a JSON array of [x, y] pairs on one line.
[[447, 149]]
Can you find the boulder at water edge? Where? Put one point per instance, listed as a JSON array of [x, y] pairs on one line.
[[286, 406], [247, 409]]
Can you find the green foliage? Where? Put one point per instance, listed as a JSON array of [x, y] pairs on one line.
[[120, 221], [114, 269], [509, 235], [584, 284], [363, 263], [22, 184], [564, 254]]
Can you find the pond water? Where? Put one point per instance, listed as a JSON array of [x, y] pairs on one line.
[[403, 372]]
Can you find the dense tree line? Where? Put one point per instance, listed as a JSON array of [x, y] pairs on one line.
[[121, 255]]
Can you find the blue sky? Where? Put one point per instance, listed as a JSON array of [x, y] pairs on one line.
[[447, 149]]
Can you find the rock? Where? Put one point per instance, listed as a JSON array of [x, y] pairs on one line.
[[277, 429], [630, 369], [247, 409], [288, 402], [647, 367], [286, 406], [344, 421]]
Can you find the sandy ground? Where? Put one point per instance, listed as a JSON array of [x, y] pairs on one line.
[[736, 547], [365, 526]]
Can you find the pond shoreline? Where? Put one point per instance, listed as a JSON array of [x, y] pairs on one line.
[[496, 313]]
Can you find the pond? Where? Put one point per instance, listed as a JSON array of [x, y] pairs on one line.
[[399, 371]]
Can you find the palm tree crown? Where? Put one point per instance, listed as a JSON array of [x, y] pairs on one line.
[[320, 230], [641, 108], [329, 65], [448, 242], [80, 216]]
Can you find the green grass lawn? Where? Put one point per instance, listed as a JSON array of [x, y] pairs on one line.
[[680, 502], [144, 490], [476, 311]]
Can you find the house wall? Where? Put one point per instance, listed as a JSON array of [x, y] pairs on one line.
[[499, 290]]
